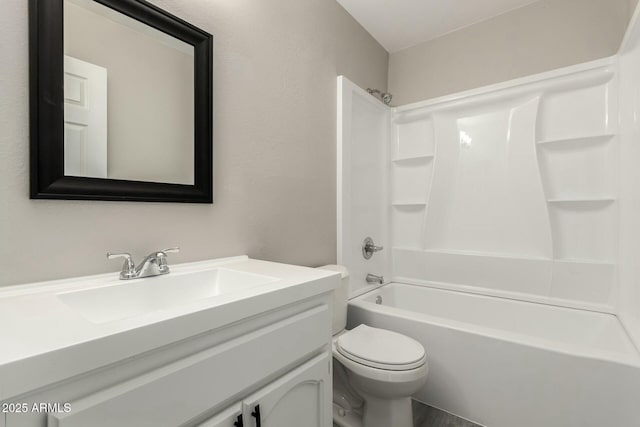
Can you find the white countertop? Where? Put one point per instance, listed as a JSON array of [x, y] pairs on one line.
[[43, 340]]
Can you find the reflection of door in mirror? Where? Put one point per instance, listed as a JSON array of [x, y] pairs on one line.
[[150, 91], [85, 119]]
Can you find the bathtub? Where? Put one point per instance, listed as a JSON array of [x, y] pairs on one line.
[[507, 363]]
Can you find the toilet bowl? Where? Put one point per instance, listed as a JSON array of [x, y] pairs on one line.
[[384, 368], [375, 371]]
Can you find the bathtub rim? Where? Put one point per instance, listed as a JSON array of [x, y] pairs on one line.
[[625, 359], [505, 294]]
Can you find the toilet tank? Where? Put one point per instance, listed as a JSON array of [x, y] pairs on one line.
[[340, 298]]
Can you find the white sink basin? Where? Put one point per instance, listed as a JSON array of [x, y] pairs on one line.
[[140, 296]]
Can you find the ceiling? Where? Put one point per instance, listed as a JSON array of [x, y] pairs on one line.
[[398, 24]]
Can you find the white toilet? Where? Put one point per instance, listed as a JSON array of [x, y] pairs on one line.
[[375, 371]]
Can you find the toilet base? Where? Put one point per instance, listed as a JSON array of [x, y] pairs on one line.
[[387, 412], [376, 413], [342, 418]]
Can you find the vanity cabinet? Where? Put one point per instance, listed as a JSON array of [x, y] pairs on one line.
[[229, 417], [298, 398], [277, 365]]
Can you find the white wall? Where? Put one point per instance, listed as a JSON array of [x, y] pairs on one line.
[[275, 74], [543, 36]]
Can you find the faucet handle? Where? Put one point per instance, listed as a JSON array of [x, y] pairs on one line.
[[127, 256], [162, 258], [369, 248], [128, 268]]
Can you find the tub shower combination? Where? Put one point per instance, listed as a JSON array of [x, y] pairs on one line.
[[498, 361], [508, 214]]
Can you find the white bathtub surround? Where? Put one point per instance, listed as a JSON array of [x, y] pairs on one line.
[[503, 362], [363, 182], [511, 190], [629, 249], [528, 191]]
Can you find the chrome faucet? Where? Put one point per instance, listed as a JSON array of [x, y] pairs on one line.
[[153, 264], [375, 280]]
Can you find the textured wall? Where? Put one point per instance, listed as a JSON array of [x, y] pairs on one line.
[[543, 36], [275, 103]]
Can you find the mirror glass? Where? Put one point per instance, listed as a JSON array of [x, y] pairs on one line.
[[128, 98]]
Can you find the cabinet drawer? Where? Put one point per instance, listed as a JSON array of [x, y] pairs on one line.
[[174, 394]]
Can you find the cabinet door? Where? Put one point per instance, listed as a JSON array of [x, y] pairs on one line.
[[230, 417], [300, 398]]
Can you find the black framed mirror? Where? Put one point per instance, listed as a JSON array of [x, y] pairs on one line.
[[121, 102]]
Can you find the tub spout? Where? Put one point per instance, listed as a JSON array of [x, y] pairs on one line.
[[375, 280]]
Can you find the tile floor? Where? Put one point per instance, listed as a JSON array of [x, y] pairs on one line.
[[427, 416]]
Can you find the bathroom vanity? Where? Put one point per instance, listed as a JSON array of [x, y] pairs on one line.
[[230, 342]]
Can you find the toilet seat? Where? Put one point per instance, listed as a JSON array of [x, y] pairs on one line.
[[381, 349], [387, 376]]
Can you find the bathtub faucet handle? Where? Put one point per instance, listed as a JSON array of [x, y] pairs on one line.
[[375, 280], [369, 248]]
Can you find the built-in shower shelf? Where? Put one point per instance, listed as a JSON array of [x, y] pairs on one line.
[[422, 157], [593, 139], [401, 204], [600, 200]]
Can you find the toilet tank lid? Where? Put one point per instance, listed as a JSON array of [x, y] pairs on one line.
[[339, 268]]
